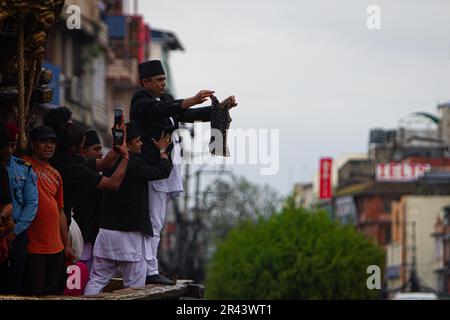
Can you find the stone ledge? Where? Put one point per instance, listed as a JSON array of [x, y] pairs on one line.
[[183, 288]]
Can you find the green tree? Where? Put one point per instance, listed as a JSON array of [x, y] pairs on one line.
[[295, 254]]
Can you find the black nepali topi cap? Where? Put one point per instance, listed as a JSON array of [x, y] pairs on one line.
[[150, 68], [132, 131], [42, 133], [91, 138], [56, 118]]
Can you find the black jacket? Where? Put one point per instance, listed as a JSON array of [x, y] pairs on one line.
[[5, 195], [86, 213], [78, 176], [153, 116], [127, 209]]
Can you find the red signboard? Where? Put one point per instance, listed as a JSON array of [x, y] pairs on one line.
[[325, 191]]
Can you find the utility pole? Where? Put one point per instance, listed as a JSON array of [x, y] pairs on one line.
[[413, 247], [415, 284], [187, 175], [197, 190]]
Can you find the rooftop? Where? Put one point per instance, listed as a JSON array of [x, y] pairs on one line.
[[169, 38]]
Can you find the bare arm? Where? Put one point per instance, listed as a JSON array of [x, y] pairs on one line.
[[108, 161], [63, 229], [64, 232], [6, 210], [199, 98], [114, 182]]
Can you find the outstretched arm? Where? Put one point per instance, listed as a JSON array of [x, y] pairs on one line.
[[170, 108], [204, 113], [197, 114], [108, 161], [199, 98]]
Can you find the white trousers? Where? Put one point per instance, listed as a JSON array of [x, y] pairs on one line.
[[118, 251], [103, 270], [157, 204], [87, 257]]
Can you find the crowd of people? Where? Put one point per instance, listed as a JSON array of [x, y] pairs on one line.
[[64, 187]]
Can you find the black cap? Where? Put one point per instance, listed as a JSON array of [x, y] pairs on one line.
[[91, 138], [41, 133], [132, 131], [150, 68], [56, 118]]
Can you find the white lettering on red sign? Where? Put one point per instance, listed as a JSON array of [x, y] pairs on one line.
[[401, 171]]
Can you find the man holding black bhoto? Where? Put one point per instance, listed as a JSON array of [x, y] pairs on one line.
[[155, 112]]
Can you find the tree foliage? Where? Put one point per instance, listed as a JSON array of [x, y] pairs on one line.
[[294, 254]]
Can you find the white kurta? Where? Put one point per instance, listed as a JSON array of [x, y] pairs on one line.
[[174, 183], [114, 250], [159, 193], [122, 245]]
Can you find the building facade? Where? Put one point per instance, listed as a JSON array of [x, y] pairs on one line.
[[413, 246], [442, 251], [78, 59]]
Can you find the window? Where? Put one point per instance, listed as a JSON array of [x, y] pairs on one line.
[[446, 216], [387, 234]]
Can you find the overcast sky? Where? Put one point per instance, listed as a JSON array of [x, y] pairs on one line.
[[310, 68]]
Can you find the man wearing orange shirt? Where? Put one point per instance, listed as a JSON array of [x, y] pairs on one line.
[[48, 246]]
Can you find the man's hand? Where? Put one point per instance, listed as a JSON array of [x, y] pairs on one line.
[[122, 149], [202, 96], [230, 101], [6, 211], [69, 254], [163, 142], [6, 226], [199, 98]]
